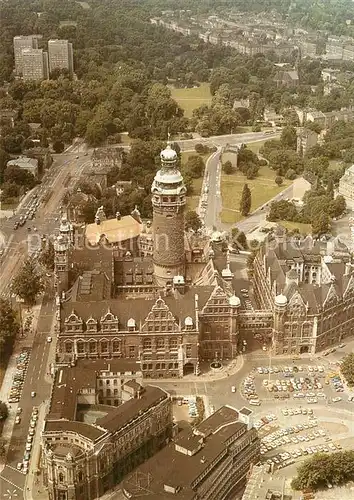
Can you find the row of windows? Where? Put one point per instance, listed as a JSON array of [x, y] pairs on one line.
[[160, 366]]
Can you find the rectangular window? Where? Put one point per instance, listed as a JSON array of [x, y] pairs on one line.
[[80, 347]]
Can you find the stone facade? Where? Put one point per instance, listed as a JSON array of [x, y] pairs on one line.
[[310, 293], [82, 461], [346, 187]]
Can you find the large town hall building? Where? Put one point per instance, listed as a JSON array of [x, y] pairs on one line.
[[164, 298]]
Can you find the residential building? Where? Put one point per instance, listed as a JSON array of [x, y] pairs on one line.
[[288, 78], [101, 424], [20, 43], [34, 64], [29, 164], [306, 139], [315, 116], [346, 187], [210, 462], [329, 75], [60, 55], [273, 117]]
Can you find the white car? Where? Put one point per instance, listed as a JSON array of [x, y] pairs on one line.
[[49, 339], [17, 419], [28, 446], [336, 400], [233, 388]]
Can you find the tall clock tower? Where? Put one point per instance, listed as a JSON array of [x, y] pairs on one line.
[[168, 201]]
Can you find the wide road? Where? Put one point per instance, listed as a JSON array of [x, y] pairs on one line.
[[64, 172], [211, 198], [35, 380], [223, 140]]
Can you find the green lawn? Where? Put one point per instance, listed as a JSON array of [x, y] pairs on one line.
[[190, 99], [303, 228], [255, 146], [263, 188]]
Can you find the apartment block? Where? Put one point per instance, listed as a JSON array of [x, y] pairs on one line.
[[60, 54], [21, 43], [34, 64]]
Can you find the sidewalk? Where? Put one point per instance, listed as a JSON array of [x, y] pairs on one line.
[[20, 343], [233, 367], [34, 487]]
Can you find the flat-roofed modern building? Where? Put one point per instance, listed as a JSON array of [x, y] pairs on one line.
[[20, 43], [210, 462], [60, 53], [34, 64]]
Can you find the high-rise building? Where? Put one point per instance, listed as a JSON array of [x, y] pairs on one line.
[[20, 43], [60, 54], [34, 64]]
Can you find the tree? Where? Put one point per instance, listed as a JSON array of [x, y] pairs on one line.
[[288, 137], [246, 200], [278, 180], [239, 239], [347, 368], [290, 174], [2, 447], [47, 257], [58, 146], [9, 326], [330, 188], [28, 282], [320, 224], [195, 166], [192, 221], [4, 411], [227, 167], [323, 470]]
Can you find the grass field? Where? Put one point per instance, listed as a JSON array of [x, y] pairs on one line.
[[263, 188], [255, 146], [303, 228], [190, 99]]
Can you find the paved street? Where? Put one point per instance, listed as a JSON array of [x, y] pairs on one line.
[[65, 169], [36, 380]]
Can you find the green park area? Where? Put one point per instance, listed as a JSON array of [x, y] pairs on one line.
[[296, 226], [191, 98], [263, 188]]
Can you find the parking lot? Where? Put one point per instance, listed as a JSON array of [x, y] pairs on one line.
[[309, 384]]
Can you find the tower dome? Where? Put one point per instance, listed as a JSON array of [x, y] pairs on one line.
[[281, 300], [234, 301], [168, 154]]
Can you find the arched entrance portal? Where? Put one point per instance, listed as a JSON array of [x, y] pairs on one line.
[[188, 369], [304, 349]]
